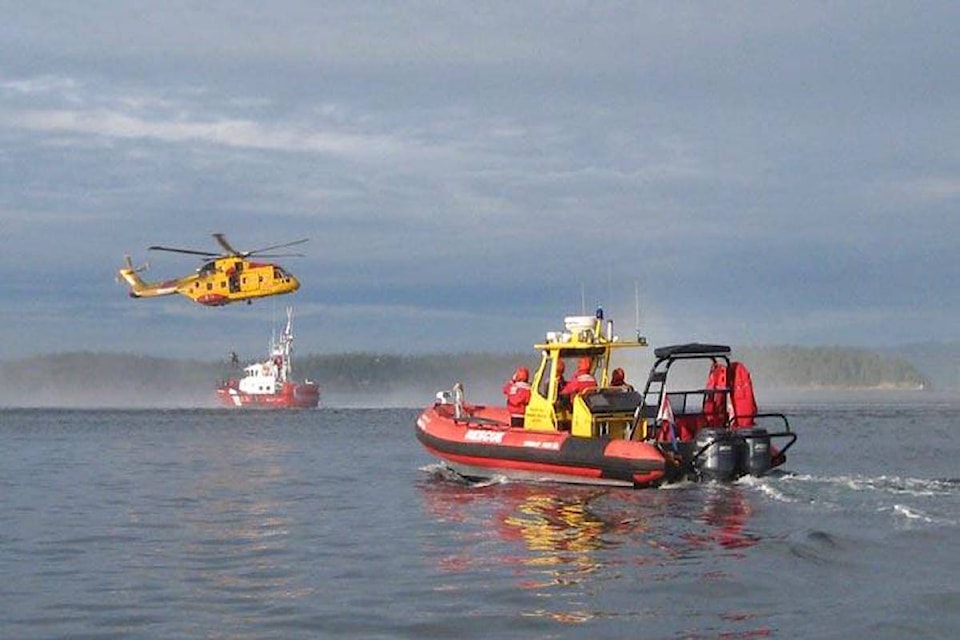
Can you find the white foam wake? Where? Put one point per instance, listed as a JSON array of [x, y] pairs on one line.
[[896, 485], [914, 514], [767, 486]]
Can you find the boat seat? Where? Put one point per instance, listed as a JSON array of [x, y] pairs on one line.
[[606, 401]]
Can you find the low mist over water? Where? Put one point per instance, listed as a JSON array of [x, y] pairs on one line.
[[382, 380]]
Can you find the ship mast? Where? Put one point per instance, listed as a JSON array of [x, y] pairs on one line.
[[284, 348]]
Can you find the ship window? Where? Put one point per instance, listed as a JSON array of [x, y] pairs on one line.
[[223, 285], [244, 279], [209, 286]]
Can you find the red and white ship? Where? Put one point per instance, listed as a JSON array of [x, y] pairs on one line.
[[269, 384]]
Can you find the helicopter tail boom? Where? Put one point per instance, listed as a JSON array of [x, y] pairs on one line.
[[140, 289]]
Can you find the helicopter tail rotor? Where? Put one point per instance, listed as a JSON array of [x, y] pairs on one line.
[[129, 271], [128, 261], [130, 275]]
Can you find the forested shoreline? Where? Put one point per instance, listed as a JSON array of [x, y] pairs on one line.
[[89, 379]]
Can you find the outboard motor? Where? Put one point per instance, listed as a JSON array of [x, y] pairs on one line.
[[720, 454], [757, 458]]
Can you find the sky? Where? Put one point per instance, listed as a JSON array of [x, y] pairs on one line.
[[752, 173]]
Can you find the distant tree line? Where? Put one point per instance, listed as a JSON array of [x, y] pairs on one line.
[[105, 379], [939, 362], [368, 371], [806, 367], [795, 367]]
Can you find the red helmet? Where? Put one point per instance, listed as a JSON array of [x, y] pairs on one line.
[[583, 366], [522, 374], [616, 378]]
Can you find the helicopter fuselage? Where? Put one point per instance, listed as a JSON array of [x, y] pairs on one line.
[[223, 278], [218, 282], [231, 279]]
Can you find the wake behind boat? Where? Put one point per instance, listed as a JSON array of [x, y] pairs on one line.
[[269, 384], [606, 432]]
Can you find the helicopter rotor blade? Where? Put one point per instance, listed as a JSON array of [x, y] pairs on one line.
[[175, 250], [220, 238], [276, 255], [231, 251], [276, 246]]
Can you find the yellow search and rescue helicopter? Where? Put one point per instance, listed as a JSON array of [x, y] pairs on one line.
[[223, 278]]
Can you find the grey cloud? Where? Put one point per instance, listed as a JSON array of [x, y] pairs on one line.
[[768, 172]]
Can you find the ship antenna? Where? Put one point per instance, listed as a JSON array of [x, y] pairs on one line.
[[636, 301]]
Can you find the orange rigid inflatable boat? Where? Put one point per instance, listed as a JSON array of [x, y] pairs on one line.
[[611, 434], [480, 443]]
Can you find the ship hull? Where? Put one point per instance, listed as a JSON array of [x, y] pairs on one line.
[[291, 396]]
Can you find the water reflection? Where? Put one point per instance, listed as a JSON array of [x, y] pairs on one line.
[[564, 537], [237, 524], [725, 511], [554, 521]]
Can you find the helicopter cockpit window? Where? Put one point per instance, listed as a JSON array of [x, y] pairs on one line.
[[279, 273]]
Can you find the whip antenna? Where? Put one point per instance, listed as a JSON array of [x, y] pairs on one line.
[[636, 299]]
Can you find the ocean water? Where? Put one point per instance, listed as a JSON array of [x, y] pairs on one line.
[[334, 523]]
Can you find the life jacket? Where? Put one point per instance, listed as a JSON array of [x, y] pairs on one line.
[[715, 404], [741, 396], [582, 382], [518, 395]]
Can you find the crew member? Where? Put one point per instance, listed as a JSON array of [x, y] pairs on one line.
[[583, 381], [617, 379], [561, 381], [517, 390]]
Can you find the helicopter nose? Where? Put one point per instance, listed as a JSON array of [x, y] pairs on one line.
[[294, 284]]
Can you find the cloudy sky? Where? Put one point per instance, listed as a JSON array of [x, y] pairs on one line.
[[468, 173]]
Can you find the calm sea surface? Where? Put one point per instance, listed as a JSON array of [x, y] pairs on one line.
[[336, 524]]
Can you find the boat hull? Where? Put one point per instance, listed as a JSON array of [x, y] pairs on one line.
[[291, 396], [483, 445]]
